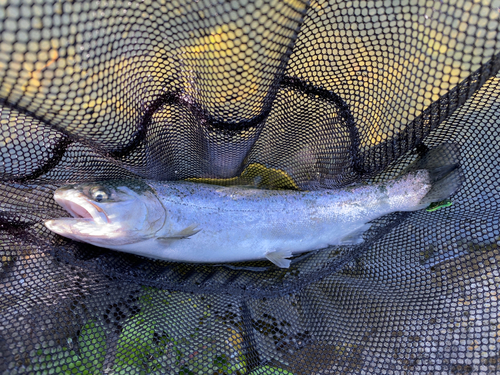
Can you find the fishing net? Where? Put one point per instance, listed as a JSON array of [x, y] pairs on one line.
[[274, 94]]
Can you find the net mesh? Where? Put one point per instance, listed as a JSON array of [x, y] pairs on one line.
[[277, 94]]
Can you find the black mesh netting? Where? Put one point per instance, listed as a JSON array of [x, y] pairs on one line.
[[279, 94]]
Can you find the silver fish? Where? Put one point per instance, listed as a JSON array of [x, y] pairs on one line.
[[192, 222]]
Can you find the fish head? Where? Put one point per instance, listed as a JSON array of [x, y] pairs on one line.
[[108, 213]]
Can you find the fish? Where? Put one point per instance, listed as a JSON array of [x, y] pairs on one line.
[[202, 223]]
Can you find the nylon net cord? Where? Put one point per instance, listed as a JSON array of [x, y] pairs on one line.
[[275, 94]]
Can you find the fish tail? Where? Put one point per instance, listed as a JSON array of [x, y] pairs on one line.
[[445, 174]]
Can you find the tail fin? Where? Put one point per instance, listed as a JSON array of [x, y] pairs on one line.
[[445, 173]]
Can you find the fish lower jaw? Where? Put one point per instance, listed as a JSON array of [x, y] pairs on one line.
[[85, 230]]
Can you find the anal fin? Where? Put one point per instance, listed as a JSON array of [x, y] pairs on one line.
[[181, 235], [278, 257], [356, 237]]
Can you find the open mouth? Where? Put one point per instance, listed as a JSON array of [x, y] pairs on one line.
[[83, 210], [75, 210]]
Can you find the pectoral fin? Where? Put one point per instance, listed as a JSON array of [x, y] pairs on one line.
[[278, 257], [183, 234]]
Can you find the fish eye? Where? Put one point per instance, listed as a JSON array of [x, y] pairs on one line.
[[99, 194]]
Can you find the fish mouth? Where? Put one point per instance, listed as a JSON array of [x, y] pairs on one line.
[[87, 221], [75, 210], [81, 208]]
